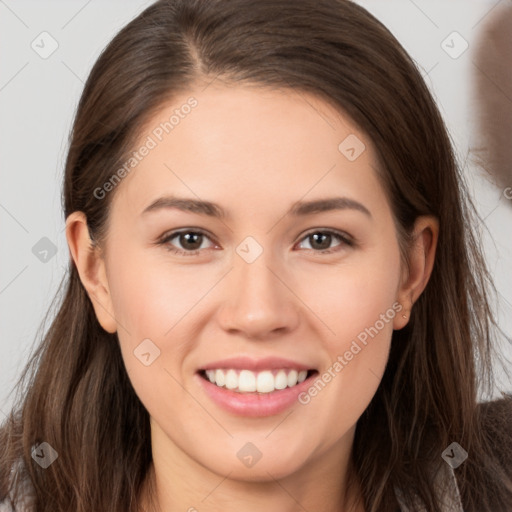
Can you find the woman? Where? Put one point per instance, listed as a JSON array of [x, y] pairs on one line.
[[322, 343]]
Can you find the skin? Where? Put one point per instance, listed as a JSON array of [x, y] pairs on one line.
[[253, 151]]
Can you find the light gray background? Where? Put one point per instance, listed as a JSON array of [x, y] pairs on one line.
[[37, 102]]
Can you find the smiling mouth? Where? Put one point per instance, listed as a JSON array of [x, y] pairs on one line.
[[261, 382]]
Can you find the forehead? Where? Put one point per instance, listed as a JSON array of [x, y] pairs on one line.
[[249, 143]]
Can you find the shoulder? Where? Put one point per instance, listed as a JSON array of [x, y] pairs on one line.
[[25, 502], [497, 411], [495, 421], [23, 506], [496, 417], [5, 506]]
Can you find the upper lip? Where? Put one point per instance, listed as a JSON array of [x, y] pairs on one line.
[[247, 363]]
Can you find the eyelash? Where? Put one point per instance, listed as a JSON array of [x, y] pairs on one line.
[[345, 239]]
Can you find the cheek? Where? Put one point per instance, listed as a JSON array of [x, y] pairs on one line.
[[352, 296], [150, 301], [150, 294], [155, 299], [358, 307]]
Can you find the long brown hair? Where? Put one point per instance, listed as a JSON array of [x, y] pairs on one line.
[[78, 397]]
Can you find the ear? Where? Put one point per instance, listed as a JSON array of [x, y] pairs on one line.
[[91, 269], [416, 276]]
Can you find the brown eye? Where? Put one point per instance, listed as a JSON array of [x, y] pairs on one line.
[[320, 241], [190, 242]]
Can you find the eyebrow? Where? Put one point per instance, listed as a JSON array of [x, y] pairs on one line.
[[299, 208]]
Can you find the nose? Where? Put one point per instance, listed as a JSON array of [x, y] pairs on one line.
[[261, 304]]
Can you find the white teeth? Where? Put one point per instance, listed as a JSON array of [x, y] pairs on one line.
[[247, 381], [264, 382], [292, 378], [220, 377], [231, 379], [281, 380]]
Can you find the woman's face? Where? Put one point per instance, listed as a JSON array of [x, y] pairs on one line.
[[256, 283]]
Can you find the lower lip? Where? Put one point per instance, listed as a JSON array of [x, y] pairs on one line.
[[255, 404]]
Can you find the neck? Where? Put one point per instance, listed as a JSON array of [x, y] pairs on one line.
[[185, 485]]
